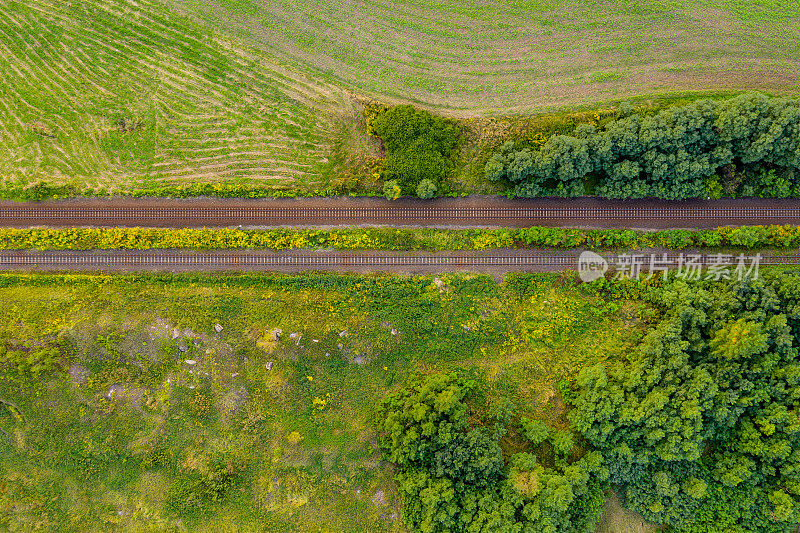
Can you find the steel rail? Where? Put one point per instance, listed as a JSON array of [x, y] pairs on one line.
[[597, 213], [391, 213], [309, 260]]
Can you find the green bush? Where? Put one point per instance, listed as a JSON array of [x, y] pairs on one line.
[[27, 362], [426, 189], [392, 190], [418, 145], [194, 492]]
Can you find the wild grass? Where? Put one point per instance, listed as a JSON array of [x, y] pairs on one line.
[[255, 432]]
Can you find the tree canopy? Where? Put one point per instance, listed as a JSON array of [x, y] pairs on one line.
[[675, 154], [418, 148], [454, 477], [699, 427]]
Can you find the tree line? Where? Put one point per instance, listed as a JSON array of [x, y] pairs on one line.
[[745, 146]]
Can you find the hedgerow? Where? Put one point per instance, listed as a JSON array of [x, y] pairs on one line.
[[745, 237]]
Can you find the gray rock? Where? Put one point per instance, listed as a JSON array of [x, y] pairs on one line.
[[379, 498]]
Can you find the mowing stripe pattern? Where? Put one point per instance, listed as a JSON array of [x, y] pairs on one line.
[[113, 94]]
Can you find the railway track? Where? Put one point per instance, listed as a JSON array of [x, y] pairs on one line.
[[246, 260], [443, 212]]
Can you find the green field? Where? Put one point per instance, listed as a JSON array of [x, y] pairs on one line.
[[284, 428], [518, 56], [113, 96], [110, 96]]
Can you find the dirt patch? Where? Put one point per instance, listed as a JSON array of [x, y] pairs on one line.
[[78, 374], [130, 394]]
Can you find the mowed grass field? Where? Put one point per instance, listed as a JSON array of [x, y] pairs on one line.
[[159, 380], [115, 95], [498, 56], [112, 96]]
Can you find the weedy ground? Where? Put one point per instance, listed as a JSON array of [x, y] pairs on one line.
[[248, 403]]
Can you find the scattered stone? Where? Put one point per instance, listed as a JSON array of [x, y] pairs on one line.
[[268, 365], [292, 335], [217, 328], [379, 498], [466, 327], [190, 362], [340, 346], [176, 333], [276, 333], [359, 360], [343, 333], [314, 340]]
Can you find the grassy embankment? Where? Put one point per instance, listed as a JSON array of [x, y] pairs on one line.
[[763, 238]]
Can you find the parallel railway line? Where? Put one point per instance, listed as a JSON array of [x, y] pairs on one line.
[[252, 260], [443, 212]]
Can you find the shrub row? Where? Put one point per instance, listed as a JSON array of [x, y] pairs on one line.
[[749, 237], [748, 145]]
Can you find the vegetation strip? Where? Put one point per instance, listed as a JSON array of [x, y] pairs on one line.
[[745, 237]]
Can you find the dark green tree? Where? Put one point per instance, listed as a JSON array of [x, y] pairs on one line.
[[706, 405]]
